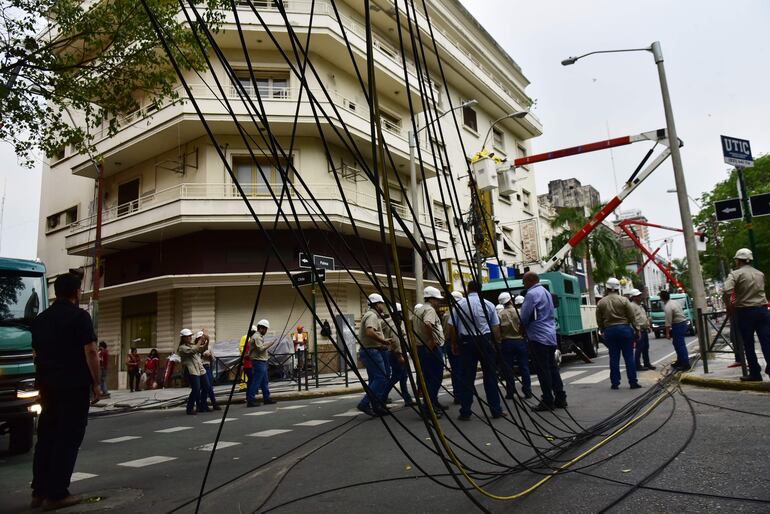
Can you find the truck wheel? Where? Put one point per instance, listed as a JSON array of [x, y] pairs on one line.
[[590, 348], [21, 432]]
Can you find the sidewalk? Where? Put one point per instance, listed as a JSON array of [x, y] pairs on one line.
[[328, 385], [722, 377]]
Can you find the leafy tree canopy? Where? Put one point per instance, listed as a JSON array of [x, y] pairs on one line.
[[68, 67]]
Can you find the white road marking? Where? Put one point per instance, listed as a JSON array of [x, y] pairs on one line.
[[325, 401], [569, 374], [594, 378], [358, 395], [313, 422], [354, 412], [210, 446], [269, 433], [292, 407], [121, 439], [217, 421], [147, 461], [259, 413], [81, 476], [172, 430]]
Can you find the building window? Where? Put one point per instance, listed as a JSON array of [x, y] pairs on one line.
[[258, 177], [498, 139], [525, 200], [270, 84], [61, 219], [139, 316], [469, 118], [521, 152], [264, 4], [508, 241], [128, 197], [390, 122]]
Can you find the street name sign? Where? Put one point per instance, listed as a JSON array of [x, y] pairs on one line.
[[728, 210], [737, 152], [323, 262], [305, 278], [760, 204], [305, 261]]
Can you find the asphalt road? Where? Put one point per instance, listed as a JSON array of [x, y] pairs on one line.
[[322, 455]]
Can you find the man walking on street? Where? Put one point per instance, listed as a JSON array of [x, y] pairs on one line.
[[539, 320], [642, 352], [429, 337], [474, 323], [67, 371], [749, 311], [374, 352], [676, 328], [617, 321], [104, 363], [258, 352]]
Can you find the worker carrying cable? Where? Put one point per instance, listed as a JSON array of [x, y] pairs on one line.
[[538, 315], [617, 321], [749, 311]]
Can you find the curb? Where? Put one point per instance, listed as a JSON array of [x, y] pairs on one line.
[[723, 383]]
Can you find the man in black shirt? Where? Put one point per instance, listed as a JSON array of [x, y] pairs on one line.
[[67, 372]]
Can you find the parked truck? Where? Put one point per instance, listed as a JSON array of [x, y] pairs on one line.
[[576, 330], [23, 294], [658, 317]]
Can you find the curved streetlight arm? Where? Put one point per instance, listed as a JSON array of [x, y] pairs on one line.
[[413, 138], [518, 114], [573, 60]]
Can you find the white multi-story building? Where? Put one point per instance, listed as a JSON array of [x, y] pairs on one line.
[[180, 248]]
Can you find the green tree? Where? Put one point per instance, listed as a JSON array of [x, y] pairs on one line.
[[724, 239], [68, 66], [680, 269], [601, 248]]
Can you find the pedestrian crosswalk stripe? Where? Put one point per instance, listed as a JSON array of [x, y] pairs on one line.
[[269, 433], [217, 421], [594, 378], [351, 396], [259, 413], [81, 476], [121, 439], [355, 412], [325, 401], [210, 446], [172, 430], [292, 407], [569, 374], [147, 461], [313, 422]]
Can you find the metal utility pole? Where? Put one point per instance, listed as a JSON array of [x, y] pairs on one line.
[[744, 194], [418, 280], [97, 246]]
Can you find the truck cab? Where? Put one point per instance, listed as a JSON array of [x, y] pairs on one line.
[[658, 316], [575, 323], [23, 295]]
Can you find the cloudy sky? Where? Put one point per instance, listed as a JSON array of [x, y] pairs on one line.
[[716, 54]]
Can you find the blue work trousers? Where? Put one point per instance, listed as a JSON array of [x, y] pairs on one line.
[[398, 375], [475, 349], [377, 363], [207, 390], [515, 352], [620, 340], [251, 385], [195, 391], [678, 331], [642, 352], [754, 320], [551, 385], [260, 379], [432, 362]]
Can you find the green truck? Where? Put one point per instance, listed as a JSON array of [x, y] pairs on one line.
[[23, 294], [659, 318], [576, 330]]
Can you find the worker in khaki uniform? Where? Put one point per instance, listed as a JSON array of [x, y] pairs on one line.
[[749, 311], [513, 346], [676, 328], [399, 372], [429, 337], [374, 353], [259, 356], [617, 321], [642, 352]]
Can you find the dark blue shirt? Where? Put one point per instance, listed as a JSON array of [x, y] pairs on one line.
[[538, 316]]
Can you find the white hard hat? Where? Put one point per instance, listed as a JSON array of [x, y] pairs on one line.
[[635, 292], [375, 298], [504, 298], [417, 306], [519, 300], [432, 292], [744, 254], [263, 323], [185, 332], [199, 334], [457, 295], [612, 283], [499, 307], [398, 307]]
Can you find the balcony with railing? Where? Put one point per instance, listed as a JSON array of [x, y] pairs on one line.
[[191, 207]]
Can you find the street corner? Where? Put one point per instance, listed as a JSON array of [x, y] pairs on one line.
[[723, 383]]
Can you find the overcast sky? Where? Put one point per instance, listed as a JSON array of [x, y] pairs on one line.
[[717, 58], [716, 54]]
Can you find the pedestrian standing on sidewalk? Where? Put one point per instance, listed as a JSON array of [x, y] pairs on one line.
[[207, 356], [513, 347], [473, 339], [66, 372], [104, 364], [132, 364], [248, 369], [750, 311], [642, 352], [259, 356], [429, 337], [190, 353], [676, 328], [300, 340], [454, 361], [617, 321], [398, 368], [538, 315], [151, 365], [375, 349]]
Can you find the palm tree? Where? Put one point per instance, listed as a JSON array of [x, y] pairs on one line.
[[680, 268], [601, 246]]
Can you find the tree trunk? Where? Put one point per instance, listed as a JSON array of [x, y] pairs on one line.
[[589, 279]]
